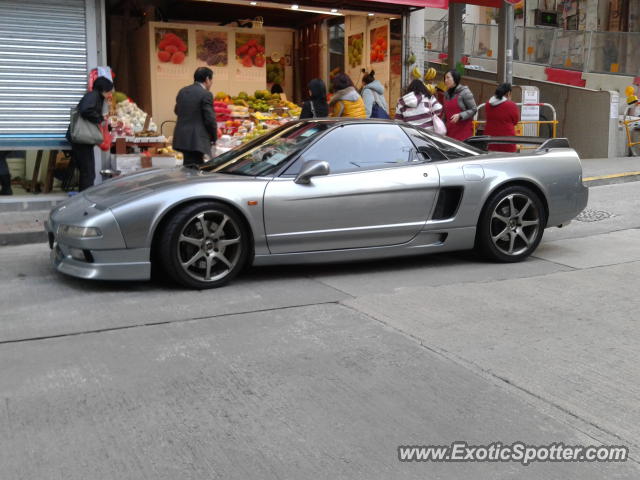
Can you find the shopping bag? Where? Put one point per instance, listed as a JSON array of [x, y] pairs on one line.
[[83, 131], [106, 137], [438, 125]]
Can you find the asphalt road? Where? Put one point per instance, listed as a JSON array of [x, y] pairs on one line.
[[322, 372]]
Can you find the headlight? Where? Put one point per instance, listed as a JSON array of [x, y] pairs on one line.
[[79, 232]]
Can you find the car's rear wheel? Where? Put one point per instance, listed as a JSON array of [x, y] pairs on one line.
[[204, 245], [511, 224]]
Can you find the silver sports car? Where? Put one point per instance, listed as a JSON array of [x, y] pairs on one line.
[[318, 191]]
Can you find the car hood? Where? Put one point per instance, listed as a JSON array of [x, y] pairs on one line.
[[114, 192]]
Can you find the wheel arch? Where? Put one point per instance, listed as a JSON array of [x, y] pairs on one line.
[[522, 183], [166, 215]]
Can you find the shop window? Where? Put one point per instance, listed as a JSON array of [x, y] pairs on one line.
[[336, 46]]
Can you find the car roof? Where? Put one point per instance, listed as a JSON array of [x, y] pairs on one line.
[[344, 120]]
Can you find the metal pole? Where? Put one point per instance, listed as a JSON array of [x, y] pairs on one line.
[[505, 44], [456, 34]]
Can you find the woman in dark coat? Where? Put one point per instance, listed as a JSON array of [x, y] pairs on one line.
[[317, 102], [502, 117], [90, 108]]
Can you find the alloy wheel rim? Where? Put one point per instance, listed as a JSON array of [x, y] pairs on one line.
[[515, 223], [209, 246]]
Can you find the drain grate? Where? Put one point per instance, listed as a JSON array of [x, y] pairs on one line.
[[588, 215]]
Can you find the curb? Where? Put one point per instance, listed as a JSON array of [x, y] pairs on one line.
[[23, 238], [611, 179]]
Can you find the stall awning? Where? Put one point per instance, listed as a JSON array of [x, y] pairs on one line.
[[442, 3]]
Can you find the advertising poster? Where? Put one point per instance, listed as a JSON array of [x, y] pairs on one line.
[[379, 43], [275, 72], [250, 57], [250, 50], [172, 50], [355, 44], [212, 48]]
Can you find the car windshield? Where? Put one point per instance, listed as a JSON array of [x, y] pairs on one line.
[[267, 154]]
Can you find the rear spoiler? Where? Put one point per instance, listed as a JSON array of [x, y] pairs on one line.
[[482, 141]]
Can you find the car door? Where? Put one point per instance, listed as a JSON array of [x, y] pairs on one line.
[[379, 192]]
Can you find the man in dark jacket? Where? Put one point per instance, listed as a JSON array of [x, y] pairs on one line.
[[196, 129]]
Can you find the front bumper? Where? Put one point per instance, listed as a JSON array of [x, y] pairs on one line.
[[96, 264]]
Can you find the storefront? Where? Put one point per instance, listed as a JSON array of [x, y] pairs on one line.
[[251, 47], [48, 48]]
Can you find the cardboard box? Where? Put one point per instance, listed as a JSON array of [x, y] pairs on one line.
[[163, 161], [127, 163]]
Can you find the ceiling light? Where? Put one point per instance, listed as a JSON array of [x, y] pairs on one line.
[[294, 7], [370, 14], [334, 10], [253, 3]]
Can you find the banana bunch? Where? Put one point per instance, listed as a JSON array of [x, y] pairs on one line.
[[431, 88], [430, 74], [416, 73]]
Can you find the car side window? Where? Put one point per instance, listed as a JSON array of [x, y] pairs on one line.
[[447, 148], [360, 147], [425, 146]]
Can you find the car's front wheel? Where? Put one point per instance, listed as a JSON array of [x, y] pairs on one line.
[[204, 245], [511, 224]]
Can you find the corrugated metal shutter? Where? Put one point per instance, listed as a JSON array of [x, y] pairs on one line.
[[43, 69]]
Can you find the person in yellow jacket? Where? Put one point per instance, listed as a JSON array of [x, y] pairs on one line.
[[346, 101]]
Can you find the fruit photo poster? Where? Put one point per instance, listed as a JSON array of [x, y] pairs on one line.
[[172, 50], [355, 47], [212, 50], [250, 56], [379, 42]]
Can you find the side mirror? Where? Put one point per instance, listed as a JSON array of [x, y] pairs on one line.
[[312, 168]]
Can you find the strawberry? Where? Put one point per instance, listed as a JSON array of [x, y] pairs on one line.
[[252, 52], [164, 56], [246, 61], [177, 58], [259, 60], [171, 49]]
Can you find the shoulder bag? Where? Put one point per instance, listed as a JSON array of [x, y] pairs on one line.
[[83, 131]]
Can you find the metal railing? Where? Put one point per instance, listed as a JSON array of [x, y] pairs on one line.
[[616, 53]]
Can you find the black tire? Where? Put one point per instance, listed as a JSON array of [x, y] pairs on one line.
[[196, 252], [511, 224]]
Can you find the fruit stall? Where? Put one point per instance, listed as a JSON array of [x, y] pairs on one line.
[[245, 62], [243, 117]]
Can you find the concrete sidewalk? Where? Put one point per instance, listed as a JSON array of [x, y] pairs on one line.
[[605, 171], [22, 216]]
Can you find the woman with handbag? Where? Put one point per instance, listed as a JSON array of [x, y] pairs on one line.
[[420, 107], [84, 132], [373, 97]]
